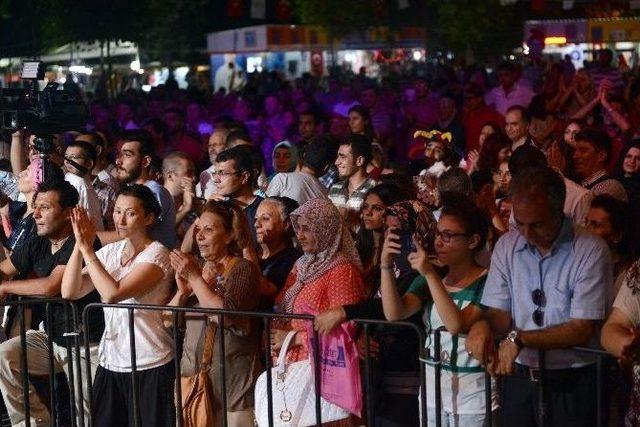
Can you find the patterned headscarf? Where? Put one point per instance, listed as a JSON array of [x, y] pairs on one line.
[[415, 219], [334, 243], [632, 277]]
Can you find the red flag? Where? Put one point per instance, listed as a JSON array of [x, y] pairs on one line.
[[538, 5], [235, 8], [379, 9], [283, 10]]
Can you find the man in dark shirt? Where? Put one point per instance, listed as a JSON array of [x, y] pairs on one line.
[[43, 257]]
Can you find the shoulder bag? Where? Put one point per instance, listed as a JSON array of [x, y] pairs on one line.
[[197, 393], [293, 392]]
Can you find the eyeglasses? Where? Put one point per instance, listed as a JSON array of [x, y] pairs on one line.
[[75, 157], [446, 236], [223, 174], [540, 300]]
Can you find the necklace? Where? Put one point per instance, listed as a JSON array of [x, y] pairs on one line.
[[56, 244]]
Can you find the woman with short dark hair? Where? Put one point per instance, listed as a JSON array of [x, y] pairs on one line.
[[134, 270]]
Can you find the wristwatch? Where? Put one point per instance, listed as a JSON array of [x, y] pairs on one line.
[[514, 337]]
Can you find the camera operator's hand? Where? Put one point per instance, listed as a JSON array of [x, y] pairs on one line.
[[17, 136]]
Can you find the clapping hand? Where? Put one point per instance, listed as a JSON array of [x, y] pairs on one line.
[[188, 195], [184, 265], [472, 159], [555, 157], [83, 229]]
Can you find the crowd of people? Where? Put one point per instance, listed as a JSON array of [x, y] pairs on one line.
[[494, 207]]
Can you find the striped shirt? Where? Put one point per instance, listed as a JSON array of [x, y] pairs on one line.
[[340, 197]]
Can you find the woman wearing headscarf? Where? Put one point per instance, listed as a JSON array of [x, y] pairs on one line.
[[394, 351], [284, 158], [327, 275]]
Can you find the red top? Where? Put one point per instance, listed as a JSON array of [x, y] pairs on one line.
[[473, 122], [342, 285]]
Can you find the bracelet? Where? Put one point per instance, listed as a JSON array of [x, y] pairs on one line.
[[88, 263], [385, 267]]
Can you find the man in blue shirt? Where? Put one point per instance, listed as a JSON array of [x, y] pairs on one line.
[[547, 289]]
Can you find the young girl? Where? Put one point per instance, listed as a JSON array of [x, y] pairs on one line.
[[452, 302]]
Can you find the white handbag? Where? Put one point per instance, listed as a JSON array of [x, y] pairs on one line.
[[293, 391]]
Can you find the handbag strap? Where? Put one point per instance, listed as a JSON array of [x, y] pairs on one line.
[[282, 357], [210, 333]]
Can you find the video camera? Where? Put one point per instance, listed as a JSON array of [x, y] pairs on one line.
[[43, 112]]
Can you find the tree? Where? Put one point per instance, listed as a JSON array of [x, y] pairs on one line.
[[480, 27]]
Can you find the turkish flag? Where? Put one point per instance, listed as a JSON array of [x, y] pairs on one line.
[[538, 5], [283, 10], [235, 8]]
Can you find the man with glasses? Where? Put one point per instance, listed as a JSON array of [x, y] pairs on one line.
[[546, 291], [234, 178]]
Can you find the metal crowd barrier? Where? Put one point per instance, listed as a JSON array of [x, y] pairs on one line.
[[74, 358], [71, 343], [267, 318], [542, 387]]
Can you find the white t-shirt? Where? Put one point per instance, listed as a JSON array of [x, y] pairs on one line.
[[501, 101], [298, 186], [154, 343], [88, 198]]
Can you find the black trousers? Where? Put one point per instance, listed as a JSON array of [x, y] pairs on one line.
[[113, 398], [571, 398]]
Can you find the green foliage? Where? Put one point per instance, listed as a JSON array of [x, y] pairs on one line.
[[479, 25], [339, 17]]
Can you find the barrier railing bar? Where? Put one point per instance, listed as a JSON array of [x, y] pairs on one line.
[[223, 370], [267, 365], [315, 343], [599, 385], [134, 370], [52, 374], [71, 337], [438, 372], [24, 366], [488, 407], [542, 407], [176, 365], [77, 347], [423, 381], [367, 373], [87, 355]]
